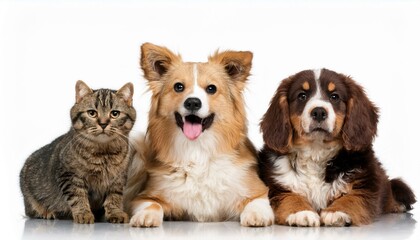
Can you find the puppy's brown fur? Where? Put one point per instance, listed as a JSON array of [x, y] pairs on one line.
[[322, 169]]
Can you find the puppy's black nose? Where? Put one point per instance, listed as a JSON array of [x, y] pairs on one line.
[[192, 104], [319, 114]]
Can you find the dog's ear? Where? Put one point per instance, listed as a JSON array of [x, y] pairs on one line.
[[275, 125], [156, 61], [361, 120], [237, 65]]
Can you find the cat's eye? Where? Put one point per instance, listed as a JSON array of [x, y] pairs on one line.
[[179, 87], [211, 89], [92, 113], [115, 114]]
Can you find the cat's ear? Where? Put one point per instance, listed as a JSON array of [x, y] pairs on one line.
[[82, 90], [126, 92]]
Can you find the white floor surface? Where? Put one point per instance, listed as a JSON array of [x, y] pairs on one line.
[[391, 226]]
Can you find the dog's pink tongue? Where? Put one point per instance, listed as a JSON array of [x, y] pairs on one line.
[[192, 130]]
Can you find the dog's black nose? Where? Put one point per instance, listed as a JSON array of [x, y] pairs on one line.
[[319, 114], [192, 104]]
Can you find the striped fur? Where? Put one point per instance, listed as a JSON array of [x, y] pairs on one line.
[[82, 173]]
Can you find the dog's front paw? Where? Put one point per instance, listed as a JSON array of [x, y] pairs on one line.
[[150, 216], [304, 219], [257, 213], [337, 218]]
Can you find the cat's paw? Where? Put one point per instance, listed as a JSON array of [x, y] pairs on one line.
[[117, 217], [303, 219], [257, 213], [48, 215], [84, 217], [147, 215], [336, 219]]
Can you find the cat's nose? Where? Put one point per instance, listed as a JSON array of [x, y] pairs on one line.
[[103, 122]]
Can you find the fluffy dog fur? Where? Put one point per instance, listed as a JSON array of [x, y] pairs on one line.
[[200, 165], [318, 159]]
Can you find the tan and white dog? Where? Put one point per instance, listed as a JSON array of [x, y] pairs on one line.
[[200, 165]]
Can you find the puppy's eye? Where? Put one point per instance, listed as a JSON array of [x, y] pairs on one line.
[[302, 96], [211, 89], [179, 87], [92, 113], [115, 114], [334, 97]]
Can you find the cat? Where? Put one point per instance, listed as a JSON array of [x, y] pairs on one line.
[[81, 174]]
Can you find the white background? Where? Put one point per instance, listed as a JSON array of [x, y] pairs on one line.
[[45, 46]]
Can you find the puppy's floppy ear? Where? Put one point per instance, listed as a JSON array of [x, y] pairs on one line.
[[275, 125], [156, 61], [237, 65], [361, 120]]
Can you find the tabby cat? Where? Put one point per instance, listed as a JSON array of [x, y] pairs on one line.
[[82, 173]]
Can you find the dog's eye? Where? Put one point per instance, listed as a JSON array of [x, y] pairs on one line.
[[92, 113], [334, 97], [302, 96], [211, 89], [179, 87]]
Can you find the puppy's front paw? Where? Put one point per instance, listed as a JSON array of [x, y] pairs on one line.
[[337, 218], [85, 217], [304, 219], [257, 213], [150, 216]]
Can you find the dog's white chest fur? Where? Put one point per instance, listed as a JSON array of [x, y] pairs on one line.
[[205, 186], [304, 173]]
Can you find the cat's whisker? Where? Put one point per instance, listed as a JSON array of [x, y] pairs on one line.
[[71, 142], [92, 130], [124, 137]]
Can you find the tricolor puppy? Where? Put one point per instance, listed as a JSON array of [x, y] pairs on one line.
[[318, 160], [199, 162]]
